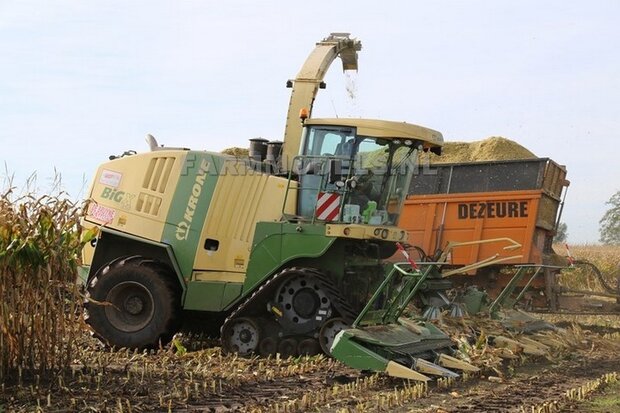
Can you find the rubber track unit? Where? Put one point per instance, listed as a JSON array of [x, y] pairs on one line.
[[257, 302]]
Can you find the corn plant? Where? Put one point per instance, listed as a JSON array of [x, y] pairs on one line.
[[39, 305]]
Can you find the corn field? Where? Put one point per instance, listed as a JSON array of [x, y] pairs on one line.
[[605, 257], [39, 314]]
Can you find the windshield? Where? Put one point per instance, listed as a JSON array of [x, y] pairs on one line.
[[373, 174], [329, 141]]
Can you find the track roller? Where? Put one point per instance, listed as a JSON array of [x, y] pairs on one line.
[[288, 347], [309, 347], [241, 335], [268, 346], [328, 332]]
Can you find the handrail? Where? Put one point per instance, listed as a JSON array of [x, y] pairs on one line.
[[482, 263]]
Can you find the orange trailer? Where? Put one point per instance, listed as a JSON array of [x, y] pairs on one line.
[[517, 199], [436, 219]]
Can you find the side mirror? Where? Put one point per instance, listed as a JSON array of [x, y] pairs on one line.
[[334, 170]]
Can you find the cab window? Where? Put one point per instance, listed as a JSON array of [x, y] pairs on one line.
[[329, 141]]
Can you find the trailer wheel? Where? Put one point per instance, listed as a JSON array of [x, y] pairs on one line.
[[133, 304]]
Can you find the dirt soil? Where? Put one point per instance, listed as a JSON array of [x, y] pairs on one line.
[[532, 384], [205, 381]]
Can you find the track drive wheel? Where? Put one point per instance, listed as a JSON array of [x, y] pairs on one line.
[[328, 332], [241, 335], [303, 302], [133, 303]]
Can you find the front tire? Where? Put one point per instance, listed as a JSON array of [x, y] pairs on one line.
[[133, 304]]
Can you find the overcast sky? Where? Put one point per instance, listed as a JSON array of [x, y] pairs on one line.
[[81, 80]]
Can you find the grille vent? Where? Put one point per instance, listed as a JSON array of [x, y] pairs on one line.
[[154, 184], [157, 174]]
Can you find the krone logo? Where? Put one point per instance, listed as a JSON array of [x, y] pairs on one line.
[[183, 227]]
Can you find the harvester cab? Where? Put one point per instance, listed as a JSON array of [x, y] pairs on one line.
[[357, 169]]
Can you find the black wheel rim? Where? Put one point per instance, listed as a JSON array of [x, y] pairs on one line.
[[301, 300], [241, 336], [129, 306]]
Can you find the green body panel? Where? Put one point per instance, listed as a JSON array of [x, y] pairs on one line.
[[231, 292], [276, 243], [188, 212], [210, 296], [356, 355]]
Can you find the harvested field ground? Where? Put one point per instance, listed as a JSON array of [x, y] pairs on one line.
[[530, 385], [608, 400], [206, 381]]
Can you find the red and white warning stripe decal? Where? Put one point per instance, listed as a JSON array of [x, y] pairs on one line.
[[407, 256], [328, 206]]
